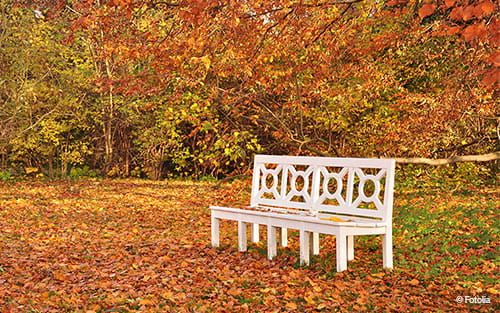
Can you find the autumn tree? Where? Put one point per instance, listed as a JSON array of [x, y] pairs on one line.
[[196, 87], [44, 117]]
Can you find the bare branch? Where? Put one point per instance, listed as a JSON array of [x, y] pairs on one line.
[[493, 156], [329, 25], [465, 158], [268, 29]]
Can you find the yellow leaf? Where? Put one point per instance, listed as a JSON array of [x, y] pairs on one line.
[[248, 71], [206, 61], [146, 302], [289, 294], [336, 219], [492, 290], [30, 170], [168, 295], [291, 306], [310, 282], [321, 306], [414, 282], [310, 300]]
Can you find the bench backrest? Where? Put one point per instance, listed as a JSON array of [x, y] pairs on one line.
[[345, 186]]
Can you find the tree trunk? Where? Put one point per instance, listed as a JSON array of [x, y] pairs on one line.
[[108, 130], [51, 166]]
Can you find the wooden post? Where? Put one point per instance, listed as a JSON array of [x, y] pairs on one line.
[[387, 248], [242, 236], [215, 231], [350, 248], [341, 250], [305, 246], [315, 240], [271, 242], [255, 233], [284, 237]]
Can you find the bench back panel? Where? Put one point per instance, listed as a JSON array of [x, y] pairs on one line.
[[347, 186]]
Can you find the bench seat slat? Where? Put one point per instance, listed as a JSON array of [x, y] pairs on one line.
[[298, 217]]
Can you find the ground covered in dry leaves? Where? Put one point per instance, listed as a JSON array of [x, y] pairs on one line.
[[134, 245]]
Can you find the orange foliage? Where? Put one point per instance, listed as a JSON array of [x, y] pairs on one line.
[[426, 10]]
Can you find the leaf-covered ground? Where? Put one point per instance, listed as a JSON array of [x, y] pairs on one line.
[[133, 245]]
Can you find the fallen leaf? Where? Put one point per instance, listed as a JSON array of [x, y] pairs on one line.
[[414, 282], [310, 300], [146, 302]]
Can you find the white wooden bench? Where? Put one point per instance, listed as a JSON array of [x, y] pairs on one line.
[[345, 197]]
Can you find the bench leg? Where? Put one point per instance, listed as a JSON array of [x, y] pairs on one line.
[[255, 233], [305, 247], [271, 242], [284, 237], [387, 248], [242, 236], [215, 231], [341, 249], [350, 248], [316, 243]]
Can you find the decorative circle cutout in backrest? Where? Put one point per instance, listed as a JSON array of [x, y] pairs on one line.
[[332, 185], [299, 183], [369, 188], [375, 187], [269, 181]]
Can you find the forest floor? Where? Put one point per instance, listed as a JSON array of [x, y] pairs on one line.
[[137, 245]]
